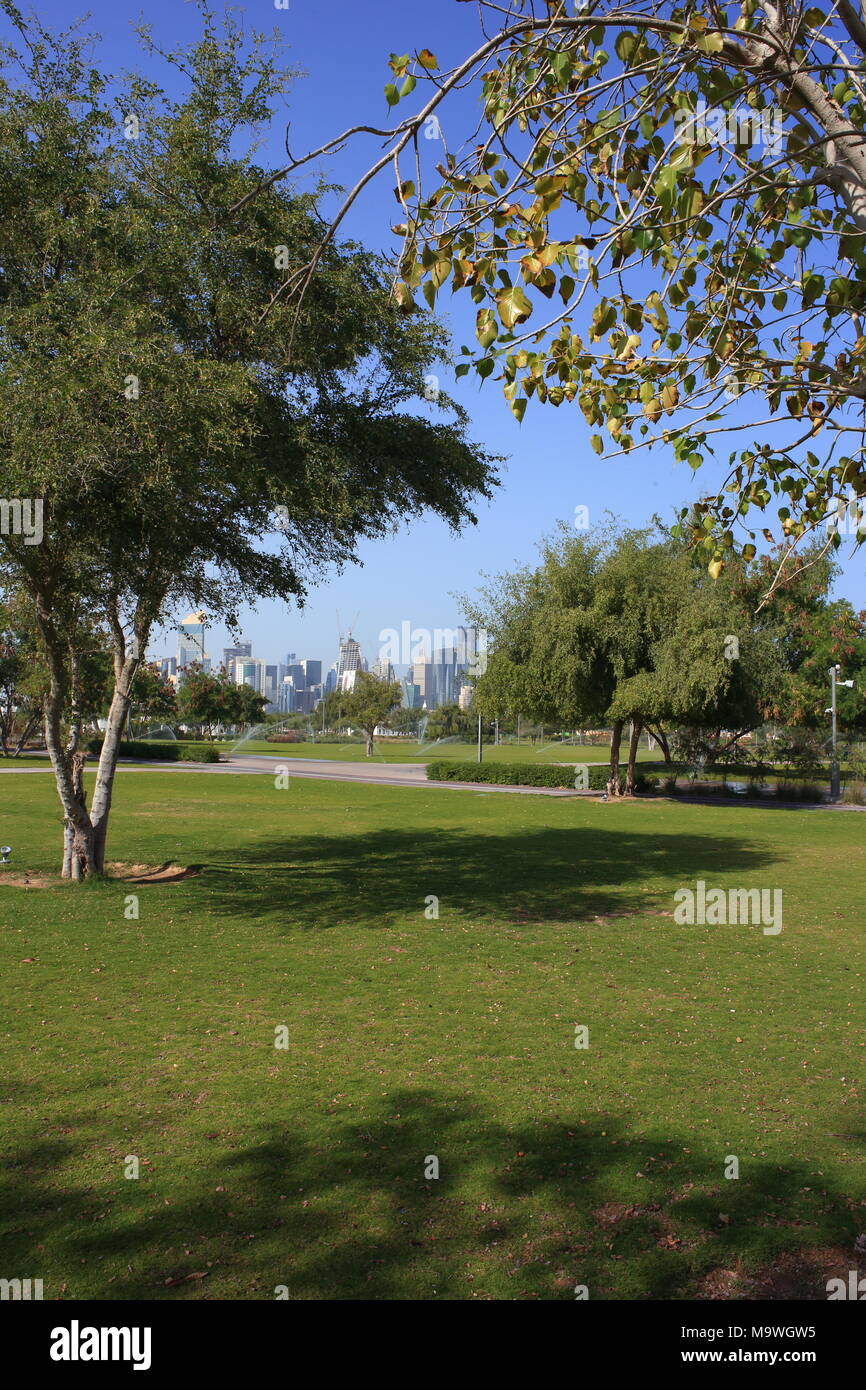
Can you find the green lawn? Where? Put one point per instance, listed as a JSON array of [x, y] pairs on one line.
[[412, 1037], [409, 750]]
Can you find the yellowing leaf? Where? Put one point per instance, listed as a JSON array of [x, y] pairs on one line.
[[513, 305]]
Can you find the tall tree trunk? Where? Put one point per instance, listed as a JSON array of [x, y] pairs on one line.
[[104, 788], [84, 833], [615, 741], [633, 742], [370, 748], [661, 739]]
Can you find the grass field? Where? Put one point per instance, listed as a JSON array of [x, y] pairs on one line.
[[410, 1038], [409, 750]]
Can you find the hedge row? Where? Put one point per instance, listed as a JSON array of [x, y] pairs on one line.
[[527, 774], [162, 752]]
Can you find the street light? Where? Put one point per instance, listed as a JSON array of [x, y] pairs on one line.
[[5, 854], [834, 762]]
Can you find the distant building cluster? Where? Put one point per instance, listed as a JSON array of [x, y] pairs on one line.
[[437, 675]]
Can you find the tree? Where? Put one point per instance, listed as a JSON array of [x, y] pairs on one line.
[[448, 721], [23, 678], [369, 703], [164, 405], [246, 706], [153, 696], [661, 218], [624, 626]]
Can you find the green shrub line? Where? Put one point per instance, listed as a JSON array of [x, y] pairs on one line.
[[527, 774], [167, 752]]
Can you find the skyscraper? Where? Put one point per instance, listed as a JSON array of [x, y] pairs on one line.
[[350, 656], [190, 641], [312, 673], [231, 654], [250, 671]]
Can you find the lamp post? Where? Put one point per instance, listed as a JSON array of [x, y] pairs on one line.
[[479, 738], [834, 760]]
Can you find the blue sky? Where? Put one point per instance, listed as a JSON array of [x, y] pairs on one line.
[[343, 47]]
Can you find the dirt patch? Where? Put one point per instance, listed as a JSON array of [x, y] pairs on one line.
[[798, 1274], [27, 881], [151, 873], [125, 873]]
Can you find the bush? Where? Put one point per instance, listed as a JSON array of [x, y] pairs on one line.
[[199, 753], [290, 736], [161, 752], [798, 791], [855, 794], [525, 774]]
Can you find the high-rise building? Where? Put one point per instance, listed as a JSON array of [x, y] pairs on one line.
[[350, 656], [231, 655], [271, 690], [306, 700], [250, 671], [331, 679], [291, 658], [382, 670], [312, 673], [411, 698], [421, 675], [190, 641]]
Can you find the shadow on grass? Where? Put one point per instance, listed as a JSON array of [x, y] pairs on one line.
[[371, 878], [519, 1211]]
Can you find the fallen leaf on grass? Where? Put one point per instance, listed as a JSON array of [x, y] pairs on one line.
[[184, 1278]]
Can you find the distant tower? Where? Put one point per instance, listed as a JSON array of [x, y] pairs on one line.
[[190, 641], [350, 656]]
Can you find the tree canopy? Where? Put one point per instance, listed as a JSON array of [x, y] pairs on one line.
[[369, 703], [168, 409], [660, 217], [622, 625]]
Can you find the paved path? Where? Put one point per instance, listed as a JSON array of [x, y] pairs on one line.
[[329, 770]]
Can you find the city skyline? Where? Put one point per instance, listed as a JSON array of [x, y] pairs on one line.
[[437, 672]]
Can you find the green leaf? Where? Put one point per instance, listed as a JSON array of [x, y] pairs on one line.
[[392, 96], [597, 443], [513, 306], [485, 327]]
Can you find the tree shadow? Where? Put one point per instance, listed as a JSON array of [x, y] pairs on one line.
[[528, 1210], [374, 877]]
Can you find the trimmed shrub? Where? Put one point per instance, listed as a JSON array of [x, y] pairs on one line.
[[798, 791], [525, 774], [199, 753], [143, 751]]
